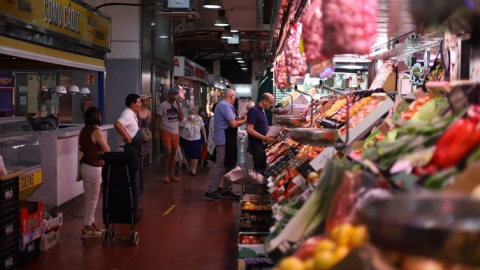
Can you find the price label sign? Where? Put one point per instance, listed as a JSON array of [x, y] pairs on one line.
[[458, 99]]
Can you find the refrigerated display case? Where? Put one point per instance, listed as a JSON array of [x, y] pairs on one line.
[[19, 147]]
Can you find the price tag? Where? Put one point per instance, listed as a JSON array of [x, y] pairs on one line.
[[319, 161], [457, 98], [298, 180]]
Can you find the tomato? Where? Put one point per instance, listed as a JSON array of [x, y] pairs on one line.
[[244, 237], [379, 137], [358, 151], [407, 115], [262, 239], [251, 237]]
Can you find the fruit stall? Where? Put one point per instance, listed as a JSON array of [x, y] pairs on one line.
[[380, 178]]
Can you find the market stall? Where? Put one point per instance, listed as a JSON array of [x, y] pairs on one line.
[[371, 178]]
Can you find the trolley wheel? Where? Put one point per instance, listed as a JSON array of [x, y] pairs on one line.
[[135, 238], [104, 237], [111, 234]]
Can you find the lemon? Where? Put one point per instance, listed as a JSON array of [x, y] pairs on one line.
[[340, 252], [291, 263], [309, 264], [325, 244], [342, 237], [359, 236], [323, 260]]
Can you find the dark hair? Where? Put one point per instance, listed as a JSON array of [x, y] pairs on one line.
[[131, 98], [92, 116], [202, 109]]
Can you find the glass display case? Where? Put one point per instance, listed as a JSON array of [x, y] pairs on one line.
[[19, 147]]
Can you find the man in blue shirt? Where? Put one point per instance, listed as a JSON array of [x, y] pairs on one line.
[[225, 136], [257, 128]]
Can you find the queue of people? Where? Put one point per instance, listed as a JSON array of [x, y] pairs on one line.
[[215, 136]]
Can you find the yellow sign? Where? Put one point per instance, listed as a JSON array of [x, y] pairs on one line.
[[30, 180], [61, 16]]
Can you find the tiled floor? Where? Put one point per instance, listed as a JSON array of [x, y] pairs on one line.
[[195, 234]]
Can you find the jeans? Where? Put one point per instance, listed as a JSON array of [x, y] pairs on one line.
[[218, 171], [92, 179]]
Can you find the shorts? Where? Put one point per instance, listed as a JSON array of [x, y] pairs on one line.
[[169, 139]]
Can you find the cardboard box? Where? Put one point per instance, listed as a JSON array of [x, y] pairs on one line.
[[243, 176], [50, 240], [31, 216], [251, 250], [30, 236], [52, 223]]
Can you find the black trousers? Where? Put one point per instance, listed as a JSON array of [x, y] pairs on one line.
[[259, 157]]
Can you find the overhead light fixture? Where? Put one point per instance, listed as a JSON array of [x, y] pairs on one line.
[[212, 4], [226, 33], [238, 57], [163, 37], [234, 31], [221, 19], [60, 90], [73, 89], [84, 91], [241, 61]]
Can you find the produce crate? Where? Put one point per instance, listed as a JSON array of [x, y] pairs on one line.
[[258, 263], [10, 257], [256, 207], [31, 251], [52, 222], [255, 223], [27, 238], [251, 250], [9, 223], [259, 189], [9, 193], [31, 216], [6, 243], [50, 240]]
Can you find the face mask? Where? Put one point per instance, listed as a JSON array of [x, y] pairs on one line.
[[191, 116], [203, 114]]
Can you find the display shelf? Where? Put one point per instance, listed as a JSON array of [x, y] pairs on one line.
[[368, 122]]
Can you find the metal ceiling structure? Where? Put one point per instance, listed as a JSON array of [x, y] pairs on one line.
[[398, 35]]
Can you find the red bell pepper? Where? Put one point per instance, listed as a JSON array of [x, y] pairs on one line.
[[456, 143]]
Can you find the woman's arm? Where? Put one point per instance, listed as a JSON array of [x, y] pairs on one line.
[[97, 138]]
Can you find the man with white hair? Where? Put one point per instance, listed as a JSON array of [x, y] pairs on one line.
[[226, 127]]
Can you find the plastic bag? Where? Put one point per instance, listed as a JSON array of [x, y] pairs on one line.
[[178, 155]]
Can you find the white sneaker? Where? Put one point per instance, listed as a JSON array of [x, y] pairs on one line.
[[96, 228], [90, 232]]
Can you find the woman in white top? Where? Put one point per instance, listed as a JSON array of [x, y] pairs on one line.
[[191, 126]]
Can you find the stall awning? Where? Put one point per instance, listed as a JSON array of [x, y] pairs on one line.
[[22, 49]]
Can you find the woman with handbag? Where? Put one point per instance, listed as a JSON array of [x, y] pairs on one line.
[[144, 120], [92, 143], [192, 130]]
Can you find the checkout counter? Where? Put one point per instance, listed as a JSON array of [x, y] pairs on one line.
[[47, 160]]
